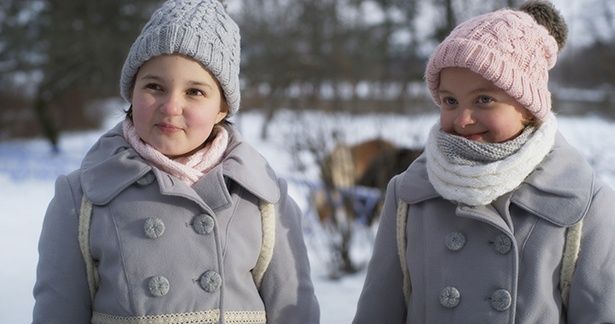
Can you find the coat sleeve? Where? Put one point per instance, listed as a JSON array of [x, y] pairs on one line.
[[382, 299], [592, 292], [287, 289], [61, 291]]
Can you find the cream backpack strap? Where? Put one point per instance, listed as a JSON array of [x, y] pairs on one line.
[[268, 241], [572, 246], [85, 216], [402, 219]]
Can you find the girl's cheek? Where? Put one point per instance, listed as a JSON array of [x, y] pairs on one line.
[[138, 115], [142, 100], [446, 122]]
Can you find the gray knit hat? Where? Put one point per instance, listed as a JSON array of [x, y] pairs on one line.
[[198, 29]]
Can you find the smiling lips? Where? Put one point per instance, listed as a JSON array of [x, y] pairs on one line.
[[473, 136], [168, 128]]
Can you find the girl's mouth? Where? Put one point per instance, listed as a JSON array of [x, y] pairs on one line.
[[168, 128], [473, 136]]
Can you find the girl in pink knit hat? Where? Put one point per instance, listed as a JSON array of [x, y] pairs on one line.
[[500, 220]]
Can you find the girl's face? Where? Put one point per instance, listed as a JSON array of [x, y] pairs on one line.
[[176, 103], [472, 107]]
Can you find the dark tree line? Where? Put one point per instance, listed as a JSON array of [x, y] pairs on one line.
[[59, 56]]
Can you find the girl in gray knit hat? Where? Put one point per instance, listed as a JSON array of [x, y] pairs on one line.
[[172, 217]]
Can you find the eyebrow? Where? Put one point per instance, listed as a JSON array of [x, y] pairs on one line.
[[191, 83], [201, 84]]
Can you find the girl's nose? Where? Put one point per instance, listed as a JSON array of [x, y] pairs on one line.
[[464, 118], [172, 105]]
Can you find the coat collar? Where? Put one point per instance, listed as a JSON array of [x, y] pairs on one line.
[[559, 190], [111, 166], [246, 166]]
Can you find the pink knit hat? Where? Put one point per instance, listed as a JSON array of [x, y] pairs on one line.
[[507, 47]]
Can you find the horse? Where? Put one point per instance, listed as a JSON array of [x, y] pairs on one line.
[[365, 165], [354, 179]]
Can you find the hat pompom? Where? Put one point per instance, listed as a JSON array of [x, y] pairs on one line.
[[548, 16]]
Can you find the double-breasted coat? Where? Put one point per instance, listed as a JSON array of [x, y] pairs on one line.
[[498, 263], [170, 253]]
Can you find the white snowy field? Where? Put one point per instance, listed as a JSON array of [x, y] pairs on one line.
[[28, 171]]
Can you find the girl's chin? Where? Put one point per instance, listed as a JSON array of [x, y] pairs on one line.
[[168, 151], [175, 154]]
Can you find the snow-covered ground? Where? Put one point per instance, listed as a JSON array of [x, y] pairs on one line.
[[28, 170]]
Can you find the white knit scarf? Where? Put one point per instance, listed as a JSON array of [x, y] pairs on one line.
[[187, 168], [481, 183]]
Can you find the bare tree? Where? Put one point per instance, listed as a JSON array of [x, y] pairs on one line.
[[270, 51], [597, 70], [76, 49]]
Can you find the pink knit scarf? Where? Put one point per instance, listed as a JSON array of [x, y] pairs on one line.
[[188, 168]]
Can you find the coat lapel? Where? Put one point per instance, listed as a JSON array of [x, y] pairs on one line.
[[110, 167], [560, 189]]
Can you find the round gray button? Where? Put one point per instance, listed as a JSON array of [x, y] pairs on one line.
[[450, 297], [147, 179], [203, 224], [501, 300], [158, 286], [502, 244], [455, 241], [210, 281], [153, 227]]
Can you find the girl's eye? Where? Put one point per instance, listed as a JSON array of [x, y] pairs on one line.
[[449, 101], [153, 86], [195, 92], [484, 100]]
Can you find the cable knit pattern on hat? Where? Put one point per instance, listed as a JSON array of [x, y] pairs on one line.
[[201, 30], [481, 184], [506, 47], [189, 168]]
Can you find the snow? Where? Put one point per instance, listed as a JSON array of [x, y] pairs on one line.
[[28, 171]]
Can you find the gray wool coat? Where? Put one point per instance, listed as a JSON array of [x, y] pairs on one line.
[[498, 263], [170, 253]]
